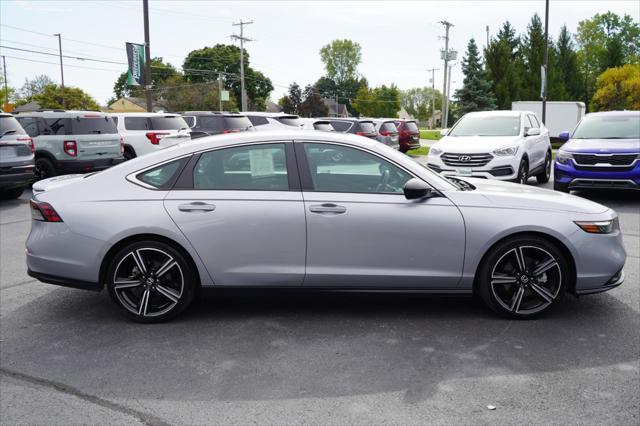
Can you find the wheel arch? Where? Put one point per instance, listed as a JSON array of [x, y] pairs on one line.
[[549, 238], [146, 237], [40, 153]]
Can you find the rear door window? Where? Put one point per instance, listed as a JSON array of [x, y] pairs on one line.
[[168, 122], [136, 123], [190, 120], [10, 126], [162, 177], [93, 126], [56, 126]]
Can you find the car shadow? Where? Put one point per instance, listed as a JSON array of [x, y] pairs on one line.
[[270, 345]]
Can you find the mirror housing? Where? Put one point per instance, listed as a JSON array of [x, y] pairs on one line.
[[444, 132], [564, 136], [416, 189], [532, 132]]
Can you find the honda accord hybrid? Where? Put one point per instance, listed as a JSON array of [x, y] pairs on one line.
[[318, 211]]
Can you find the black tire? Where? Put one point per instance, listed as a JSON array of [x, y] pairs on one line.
[[561, 187], [44, 169], [129, 153], [500, 281], [167, 293], [523, 172], [545, 174], [13, 193]]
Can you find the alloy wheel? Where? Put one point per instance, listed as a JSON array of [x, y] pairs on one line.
[[148, 282], [526, 280]]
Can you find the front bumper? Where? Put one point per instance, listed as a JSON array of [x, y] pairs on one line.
[[86, 166], [604, 177], [499, 168], [16, 177]]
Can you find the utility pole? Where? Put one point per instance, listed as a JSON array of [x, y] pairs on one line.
[[543, 88], [487, 36], [242, 38], [6, 90], [446, 116], [445, 56], [433, 97], [220, 90], [147, 56], [61, 69]]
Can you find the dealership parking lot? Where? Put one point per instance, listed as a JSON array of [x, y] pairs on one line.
[[273, 357]]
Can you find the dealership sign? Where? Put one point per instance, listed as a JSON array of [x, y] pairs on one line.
[[135, 56]]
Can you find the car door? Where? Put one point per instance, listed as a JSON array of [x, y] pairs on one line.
[[362, 231], [536, 143], [241, 208]]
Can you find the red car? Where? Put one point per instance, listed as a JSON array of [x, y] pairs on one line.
[[408, 135]]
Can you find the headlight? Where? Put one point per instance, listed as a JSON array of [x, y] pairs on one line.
[[435, 151], [504, 152], [563, 157], [599, 227]]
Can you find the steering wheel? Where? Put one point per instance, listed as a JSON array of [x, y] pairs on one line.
[[384, 180]]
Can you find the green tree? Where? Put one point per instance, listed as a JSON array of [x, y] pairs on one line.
[[617, 89], [475, 93], [35, 86], [533, 55], [50, 97], [383, 101], [180, 95], [505, 67], [345, 92], [564, 65], [341, 59], [312, 104], [419, 101], [223, 61], [160, 71], [292, 101]]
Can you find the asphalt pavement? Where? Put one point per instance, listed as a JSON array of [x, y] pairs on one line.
[[66, 357]]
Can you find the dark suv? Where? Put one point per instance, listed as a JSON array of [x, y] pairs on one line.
[[207, 123], [362, 127], [408, 134], [16, 157]]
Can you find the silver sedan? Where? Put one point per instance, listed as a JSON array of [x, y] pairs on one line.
[[313, 210]]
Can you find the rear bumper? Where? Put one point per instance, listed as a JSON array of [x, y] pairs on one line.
[[407, 145], [85, 166], [16, 177], [65, 282], [569, 175]]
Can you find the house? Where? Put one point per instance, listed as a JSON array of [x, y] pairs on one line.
[[336, 109], [131, 104], [28, 107], [404, 115], [434, 121]]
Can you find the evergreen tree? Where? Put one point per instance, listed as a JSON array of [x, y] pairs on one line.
[[504, 66], [565, 66], [291, 102], [533, 55], [312, 105], [475, 94]]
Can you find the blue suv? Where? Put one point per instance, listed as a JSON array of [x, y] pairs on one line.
[[603, 152]]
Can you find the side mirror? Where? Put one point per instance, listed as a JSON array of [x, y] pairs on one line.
[[444, 132], [532, 132], [416, 189], [564, 136]]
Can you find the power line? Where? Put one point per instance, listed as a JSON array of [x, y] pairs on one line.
[[56, 63], [80, 58]]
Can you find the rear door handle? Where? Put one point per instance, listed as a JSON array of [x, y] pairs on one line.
[[196, 206], [327, 208]]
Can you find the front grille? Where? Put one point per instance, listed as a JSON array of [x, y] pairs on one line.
[[605, 169], [612, 159], [602, 183], [466, 160]]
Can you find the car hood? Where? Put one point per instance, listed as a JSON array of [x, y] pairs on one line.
[[513, 195], [474, 144], [602, 145]]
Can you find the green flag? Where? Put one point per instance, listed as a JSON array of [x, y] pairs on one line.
[[136, 56]]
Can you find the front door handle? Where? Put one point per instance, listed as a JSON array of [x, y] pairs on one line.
[[327, 208], [196, 206]]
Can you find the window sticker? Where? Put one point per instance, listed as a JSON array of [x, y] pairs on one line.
[[261, 162]]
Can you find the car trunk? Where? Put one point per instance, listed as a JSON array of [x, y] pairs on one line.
[[95, 137]]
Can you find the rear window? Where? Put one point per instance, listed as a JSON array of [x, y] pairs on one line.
[[411, 126], [30, 125], [93, 125], [323, 126], [136, 123], [237, 123], [10, 126], [341, 126], [388, 126], [190, 120], [258, 121], [168, 122], [290, 121], [367, 127], [210, 122]]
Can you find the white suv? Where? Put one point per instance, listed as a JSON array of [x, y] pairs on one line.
[[273, 120], [504, 145], [144, 132]]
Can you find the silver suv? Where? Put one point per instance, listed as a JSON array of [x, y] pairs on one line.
[[72, 141], [16, 157]]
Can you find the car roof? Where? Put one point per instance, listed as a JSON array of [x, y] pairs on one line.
[[269, 114], [508, 113], [143, 114], [383, 120], [212, 113], [349, 119], [61, 113], [624, 113]]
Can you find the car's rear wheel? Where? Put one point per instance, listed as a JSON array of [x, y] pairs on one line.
[[523, 277], [44, 169], [523, 172], [150, 281], [545, 175], [129, 153]]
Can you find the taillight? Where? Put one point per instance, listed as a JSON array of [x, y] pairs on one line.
[[384, 133], [361, 133], [121, 146], [230, 131], [154, 137], [29, 142], [71, 148], [44, 212]]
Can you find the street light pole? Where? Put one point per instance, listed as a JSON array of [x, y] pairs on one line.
[[546, 62], [61, 69], [147, 56]]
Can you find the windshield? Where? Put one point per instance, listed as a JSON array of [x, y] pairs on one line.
[[290, 121], [168, 122], [609, 127], [97, 125], [487, 125], [10, 126]]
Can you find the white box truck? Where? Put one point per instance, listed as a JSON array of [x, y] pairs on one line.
[[561, 116]]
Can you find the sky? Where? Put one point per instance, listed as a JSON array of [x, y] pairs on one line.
[[400, 40]]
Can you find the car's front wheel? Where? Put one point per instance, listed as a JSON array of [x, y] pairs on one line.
[[523, 172], [545, 175], [150, 281], [523, 277]]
